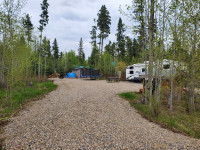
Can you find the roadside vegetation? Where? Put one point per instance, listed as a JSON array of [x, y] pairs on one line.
[[11, 101], [178, 120]]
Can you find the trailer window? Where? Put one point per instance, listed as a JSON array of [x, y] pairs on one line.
[[131, 72], [166, 66], [131, 67], [143, 69]]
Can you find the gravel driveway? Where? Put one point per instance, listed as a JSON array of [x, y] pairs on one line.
[[84, 114]]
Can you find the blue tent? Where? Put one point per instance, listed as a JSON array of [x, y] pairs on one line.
[[71, 75]]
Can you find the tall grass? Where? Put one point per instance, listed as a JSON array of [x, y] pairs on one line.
[[12, 100], [177, 121]]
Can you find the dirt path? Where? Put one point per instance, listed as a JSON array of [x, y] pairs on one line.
[[84, 114]]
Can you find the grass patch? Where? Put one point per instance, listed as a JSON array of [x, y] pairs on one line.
[[13, 100], [177, 121], [128, 96]]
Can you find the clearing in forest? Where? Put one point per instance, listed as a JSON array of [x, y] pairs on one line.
[[84, 114]]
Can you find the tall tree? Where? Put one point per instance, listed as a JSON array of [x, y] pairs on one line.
[[93, 34], [110, 48], [43, 22], [9, 21], [121, 40], [103, 23], [27, 24], [151, 46], [132, 48], [81, 54], [94, 54], [55, 49]]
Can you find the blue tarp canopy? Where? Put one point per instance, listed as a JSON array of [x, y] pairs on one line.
[[71, 75]]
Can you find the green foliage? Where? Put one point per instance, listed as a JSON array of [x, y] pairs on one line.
[[103, 24], [93, 60], [128, 96], [44, 15], [13, 100], [121, 66], [56, 55], [111, 49], [104, 21], [133, 51], [177, 121], [81, 54], [109, 68], [27, 24], [55, 49], [121, 40], [71, 60], [94, 34]]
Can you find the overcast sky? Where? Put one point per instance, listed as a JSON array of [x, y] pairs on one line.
[[69, 20]]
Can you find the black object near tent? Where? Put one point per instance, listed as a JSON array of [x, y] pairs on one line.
[[86, 73]]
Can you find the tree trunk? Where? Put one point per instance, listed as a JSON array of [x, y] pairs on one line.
[[99, 53], [150, 69], [161, 54], [3, 63], [45, 65], [192, 70], [39, 53], [170, 101]]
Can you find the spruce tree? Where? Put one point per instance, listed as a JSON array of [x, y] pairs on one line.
[[81, 54], [139, 16], [121, 40], [94, 54], [103, 24], [55, 54], [94, 34], [55, 49], [129, 48], [27, 24]]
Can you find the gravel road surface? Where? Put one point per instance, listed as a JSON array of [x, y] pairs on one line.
[[84, 114]]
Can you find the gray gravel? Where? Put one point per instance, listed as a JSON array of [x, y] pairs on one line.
[[83, 114]]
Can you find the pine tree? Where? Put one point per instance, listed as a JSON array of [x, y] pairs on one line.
[[139, 16], [27, 24], [121, 40], [55, 54], [94, 57], [94, 54], [55, 49], [43, 22], [81, 54], [44, 16], [103, 23], [94, 34], [129, 48]]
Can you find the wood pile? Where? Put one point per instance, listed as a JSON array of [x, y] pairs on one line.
[[55, 75]]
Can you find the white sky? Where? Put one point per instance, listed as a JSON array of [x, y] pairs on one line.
[[69, 20]]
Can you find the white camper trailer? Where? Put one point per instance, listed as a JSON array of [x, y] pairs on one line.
[[134, 71]]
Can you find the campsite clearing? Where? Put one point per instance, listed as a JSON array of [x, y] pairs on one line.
[[85, 114]]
